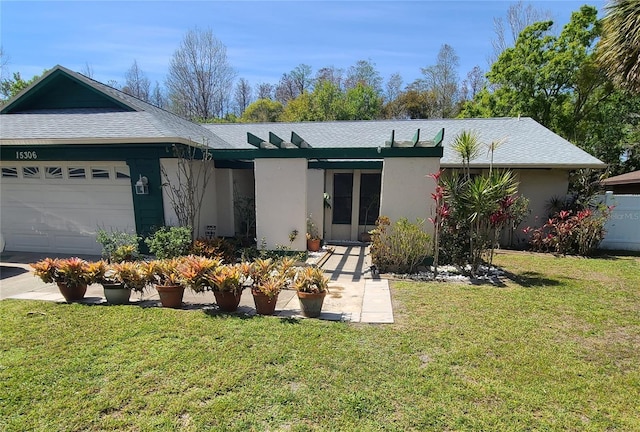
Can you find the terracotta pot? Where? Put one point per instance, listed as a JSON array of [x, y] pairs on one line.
[[313, 245], [265, 305], [311, 303], [116, 294], [228, 301], [72, 292], [170, 296]]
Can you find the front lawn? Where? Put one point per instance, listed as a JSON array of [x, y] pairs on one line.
[[558, 348]]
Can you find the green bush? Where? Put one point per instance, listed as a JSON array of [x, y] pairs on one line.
[[118, 246], [169, 242], [400, 248]]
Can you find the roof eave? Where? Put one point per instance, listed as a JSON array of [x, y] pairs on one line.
[[571, 166]]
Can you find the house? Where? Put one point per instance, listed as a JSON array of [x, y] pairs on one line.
[[628, 183], [77, 155]]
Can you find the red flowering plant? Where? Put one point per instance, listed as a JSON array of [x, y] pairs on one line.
[[442, 212], [569, 232]]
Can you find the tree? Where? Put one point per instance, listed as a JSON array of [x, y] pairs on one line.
[[301, 78], [619, 49], [136, 83], [364, 72], [362, 103], [262, 111], [242, 95], [442, 80], [394, 87], [186, 191], [473, 83], [519, 16], [331, 74], [286, 89], [87, 70], [264, 91], [157, 97], [549, 78], [4, 62], [200, 77], [12, 86]]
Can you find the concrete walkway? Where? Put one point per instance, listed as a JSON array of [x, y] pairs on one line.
[[354, 296]]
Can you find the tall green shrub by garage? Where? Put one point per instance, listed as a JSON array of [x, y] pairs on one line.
[[169, 242]]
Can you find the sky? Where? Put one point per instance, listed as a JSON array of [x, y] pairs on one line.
[[264, 39]]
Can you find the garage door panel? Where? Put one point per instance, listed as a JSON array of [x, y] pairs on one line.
[[63, 214], [27, 241]]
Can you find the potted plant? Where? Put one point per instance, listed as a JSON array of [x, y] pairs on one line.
[[114, 290], [313, 237], [268, 278], [118, 245], [72, 275], [227, 283], [165, 276], [311, 286], [195, 272], [126, 276]]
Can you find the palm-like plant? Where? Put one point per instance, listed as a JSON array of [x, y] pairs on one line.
[[619, 48], [467, 145]]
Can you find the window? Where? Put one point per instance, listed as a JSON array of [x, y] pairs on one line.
[[369, 199], [32, 172], [342, 197], [9, 172], [100, 173], [76, 173], [122, 172], [53, 172]]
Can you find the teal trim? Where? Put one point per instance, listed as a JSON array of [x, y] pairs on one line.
[[346, 164], [90, 152], [439, 138], [233, 164], [416, 137], [275, 140], [299, 141], [148, 209], [59, 90], [330, 153], [254, 140]]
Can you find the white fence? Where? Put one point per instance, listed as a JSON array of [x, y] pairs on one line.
[[623, 227]]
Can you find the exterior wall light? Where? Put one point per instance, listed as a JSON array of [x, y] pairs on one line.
[[142, 186]]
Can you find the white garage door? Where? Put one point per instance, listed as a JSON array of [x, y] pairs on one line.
[[58, 206]]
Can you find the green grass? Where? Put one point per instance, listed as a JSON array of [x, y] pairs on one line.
[[558, 349]]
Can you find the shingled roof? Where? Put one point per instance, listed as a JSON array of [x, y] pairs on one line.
[[128, 119], [527, 144]]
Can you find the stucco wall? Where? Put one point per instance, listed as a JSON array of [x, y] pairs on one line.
[[224, 193], [406, 189], [281, 207], [539, 186], [208, 212], [243, 190], [315, 198]]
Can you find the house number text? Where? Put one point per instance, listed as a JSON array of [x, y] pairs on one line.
[[26, 155]]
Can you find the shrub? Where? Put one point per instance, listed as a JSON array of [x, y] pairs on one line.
[[400, 248], [215, 248], [169, 242], [570, 232], [118, 245]]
